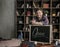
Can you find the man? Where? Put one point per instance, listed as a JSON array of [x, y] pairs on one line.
[[40, 18]]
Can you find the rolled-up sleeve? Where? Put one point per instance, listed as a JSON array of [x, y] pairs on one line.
[[46, 21]]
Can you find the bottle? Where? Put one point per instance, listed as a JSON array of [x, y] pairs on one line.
[[20, 36], [56, 43], [28, 13]]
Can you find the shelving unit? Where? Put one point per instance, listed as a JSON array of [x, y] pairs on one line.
[[55, 18], [27, 10]]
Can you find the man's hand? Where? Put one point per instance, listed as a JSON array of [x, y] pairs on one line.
[[33, 21], [39, 23]]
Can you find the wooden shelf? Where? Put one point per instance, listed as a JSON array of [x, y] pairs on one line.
[[20, 16], [56, 16], [20, 0], [19, 8], [28, 8], [34, 5], [55, 8], [46, 8], [55, 0], [28, 0], [36, 0], [20, 23], [55, 24]]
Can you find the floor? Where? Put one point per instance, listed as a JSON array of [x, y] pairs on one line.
[[10, 43], [16, 43]]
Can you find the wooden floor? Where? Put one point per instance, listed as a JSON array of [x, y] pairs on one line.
[[17, 42], [10, 43]]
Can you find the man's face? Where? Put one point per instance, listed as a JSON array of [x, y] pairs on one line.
[[39, 13]]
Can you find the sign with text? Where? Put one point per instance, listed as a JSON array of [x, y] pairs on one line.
[[41, 33]]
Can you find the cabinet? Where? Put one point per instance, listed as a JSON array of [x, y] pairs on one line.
[[26, 10]]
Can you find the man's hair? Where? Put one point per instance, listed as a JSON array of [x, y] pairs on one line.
[[40, 10]]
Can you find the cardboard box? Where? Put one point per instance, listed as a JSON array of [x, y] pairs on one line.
[[45, 5]]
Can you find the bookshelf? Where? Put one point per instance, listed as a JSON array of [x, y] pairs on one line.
[[26, 10], [55, 18]]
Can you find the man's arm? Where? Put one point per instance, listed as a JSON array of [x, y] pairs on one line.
[[38, 23], [46, 21]]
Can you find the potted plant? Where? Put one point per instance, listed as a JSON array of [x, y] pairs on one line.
[[46, 13]]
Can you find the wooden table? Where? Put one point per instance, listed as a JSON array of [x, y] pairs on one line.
[[45, 45]]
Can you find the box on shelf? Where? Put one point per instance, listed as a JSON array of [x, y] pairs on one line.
[[45, 5]]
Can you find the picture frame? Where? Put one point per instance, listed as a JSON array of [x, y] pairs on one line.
[[41, 34]]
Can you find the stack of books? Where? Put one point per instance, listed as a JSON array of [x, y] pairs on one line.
[[45, 5]]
